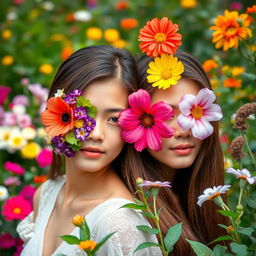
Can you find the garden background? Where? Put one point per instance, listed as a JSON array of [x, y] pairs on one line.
[[37, 35]]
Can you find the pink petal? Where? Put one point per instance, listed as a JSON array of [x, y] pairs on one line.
[[128, 120], [163, 129], [140, 101], [153, 140], [140, 144], [162, 111], [213, 113], [186, 103], [133, 135], [202, 129], [205, 98], [185, 122]]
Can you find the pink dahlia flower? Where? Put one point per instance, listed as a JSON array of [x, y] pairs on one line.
[[197, 112], [16, 208], [7, 241], [14, 168], [44, 158], [143, 124]]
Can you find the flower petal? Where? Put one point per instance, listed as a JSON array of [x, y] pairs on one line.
[[128, 120], [205, 98], [140, 101], [153, 140], [202, 129], [186, 103], [132, 136], [162, 111], [213, 113], [185, 122]]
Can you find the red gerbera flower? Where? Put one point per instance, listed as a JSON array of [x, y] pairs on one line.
[[58, 118], [159, 37]]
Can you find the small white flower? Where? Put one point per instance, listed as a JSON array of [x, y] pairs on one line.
[[211, 193], [19, 110], [82, 16], [3, 193], [48, 6], [16, 140], [242, 174], [59, 93], [28, 133]]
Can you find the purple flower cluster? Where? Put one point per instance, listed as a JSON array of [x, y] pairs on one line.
[[62, 147], [71, 97], [83, 132]]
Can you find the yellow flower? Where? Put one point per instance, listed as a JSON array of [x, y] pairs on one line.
[[225, 69], [6, 34], [120, 43], [31, 150], [165, 71], [94, 33], [87, 245], [111, 35], [46, 69], [57, 37], [236, 71], [188, 3], [16, 140], [230, 28], [34, 13], [214, 83], [78, 220], [7, 60]]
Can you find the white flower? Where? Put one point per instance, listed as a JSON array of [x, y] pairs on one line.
[[211, 193], [82, 16], [242, 174], [28, 133], [5, 133], [16, 140], [48, 6], [19, 109], [41, 133], [59, 93], [3, 193]]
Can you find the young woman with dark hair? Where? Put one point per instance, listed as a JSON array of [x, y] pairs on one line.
[[93, 185], [189, 163]]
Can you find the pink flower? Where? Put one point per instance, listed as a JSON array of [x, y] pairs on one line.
[[4, 91], [197, 112], [236, 6], [12, 181], [16, 208], [39, 92], [155, 184], [7, 241], [20, 100], [9, 119], [19, 247], [143, 124], [24, 120], [44, 158], [14, 168], [27, 193]]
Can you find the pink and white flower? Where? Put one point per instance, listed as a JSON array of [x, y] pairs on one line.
[[155, 184], [143, 124], [242, 174], [197, 112], [211, 193]]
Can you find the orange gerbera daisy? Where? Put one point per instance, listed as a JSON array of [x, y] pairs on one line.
[[58, 118], [251, 9], [159, 37], [231, 82], [229, 29]]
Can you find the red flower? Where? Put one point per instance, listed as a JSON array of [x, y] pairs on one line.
[[58, 118], [159, 37]]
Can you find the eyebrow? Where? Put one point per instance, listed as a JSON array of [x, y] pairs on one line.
[[111, 110]]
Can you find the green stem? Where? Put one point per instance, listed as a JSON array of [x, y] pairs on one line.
[[248, 148]]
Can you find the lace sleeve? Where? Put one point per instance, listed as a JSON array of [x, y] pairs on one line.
[[127, 236]]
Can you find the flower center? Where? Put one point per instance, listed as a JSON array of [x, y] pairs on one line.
[[214, 195], [160, 37], [167, 73], [1, 193], [17, 210], [243, 177], [65, 117], [231, 31], [197, 112], [17, 141], [147, 120], [79, 123]]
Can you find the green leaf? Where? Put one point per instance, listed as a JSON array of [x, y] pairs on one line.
[[172, 236], [145, 245], [134, 206], [70, 239], [103, 241], [231, 214], [92, 111], [70, 138], [239, 249], [200, 249], [219, 250], [148, 215], [84, 231], [83, 102], [147, 194], [246, 231], [152, 231], [138, 201], [252, 203], [221, 238], [76, 147]]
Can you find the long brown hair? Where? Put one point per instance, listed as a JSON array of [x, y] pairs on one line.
[[86, 66], [199, 223]]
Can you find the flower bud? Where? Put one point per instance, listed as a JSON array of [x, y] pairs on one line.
[[87, 245], [139, 181], [230, 230], [78, 220], [239, 208]]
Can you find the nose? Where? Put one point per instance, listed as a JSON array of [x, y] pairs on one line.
[[178, 132], [97, 133]]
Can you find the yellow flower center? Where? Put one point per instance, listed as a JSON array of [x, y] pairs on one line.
[[214, 195], [243, 177], [79, 123], [197, 112], [89, 123], [6, 136], [231, 31], [17, 210], [167, 73], [17, 141], [1, 193], [160, 37], [147, 120]]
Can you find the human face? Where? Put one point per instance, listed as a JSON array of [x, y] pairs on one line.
[[181, 150], [104, 143]]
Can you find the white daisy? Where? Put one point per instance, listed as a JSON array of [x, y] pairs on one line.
[[242, 174], [3, 193], [59, 93]]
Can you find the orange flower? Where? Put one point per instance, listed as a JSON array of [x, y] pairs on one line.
[[229, 29], [128, 23], [121, 5], [208, 65], [159, 37], [231, 82], [58, 118], [66, 52], [40, 179], [251, 10]]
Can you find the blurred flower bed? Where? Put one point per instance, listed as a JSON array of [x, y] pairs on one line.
[[36, 36]]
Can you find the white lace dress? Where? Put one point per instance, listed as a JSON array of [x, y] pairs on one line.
[[102, 220]]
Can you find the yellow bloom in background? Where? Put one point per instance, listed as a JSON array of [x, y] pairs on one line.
[[46, 69], [6, 34], [214, 83], [165, 71], [7, 60], [94, 33], [120, 43], [188, 3], [236, 71], [230, 28], [28, 133], [252, 47], [31, 150], [57, 37], [87, 245], [34, 13], [111, 35], [78, 220], [208, 65], [41, 132], [226, 69], [16, 140]]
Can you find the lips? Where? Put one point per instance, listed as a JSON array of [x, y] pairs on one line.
[[183, 146], [183, 149], [92, 152]]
